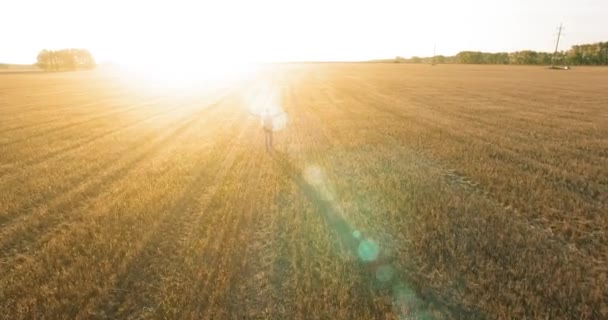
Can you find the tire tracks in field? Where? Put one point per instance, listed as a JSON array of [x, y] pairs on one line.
[[223, 263], [79, 178], [516, 134], [524, 220], [419, 305], [163, 246], [412, 303], [238, 261], [295, 252], [37, 110], [322, 198], [263, 273], [464, 183], [525, 163], [78, 123], [34, 91], [31, 125], [241, 259], [20, 111], [519, 137], [154, 233], [344, 230], [64, 150], [17, 241], [201, 232], [513, 160], [67, 267], [258, 293], [95, 166], [208, 251], [37, 123]]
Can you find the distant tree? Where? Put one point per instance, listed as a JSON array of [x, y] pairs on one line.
[[64, 60], [543, 58], [494, 58], [68, 61], [502, 58], [84, 59], [43, 60], [524, 57], [586, 54], [469, 57]]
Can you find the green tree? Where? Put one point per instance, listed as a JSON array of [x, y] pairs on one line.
[[469, 57], [66, 59]]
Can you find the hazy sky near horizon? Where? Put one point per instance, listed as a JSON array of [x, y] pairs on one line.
[[144, 32]]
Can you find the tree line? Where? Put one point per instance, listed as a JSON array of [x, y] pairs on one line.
[[586, 54], [65, 60]]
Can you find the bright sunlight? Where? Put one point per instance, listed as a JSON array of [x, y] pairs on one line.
[[303, 159], [192, 33]]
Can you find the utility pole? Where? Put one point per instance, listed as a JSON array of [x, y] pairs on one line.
[[434, 47], [559, 34]]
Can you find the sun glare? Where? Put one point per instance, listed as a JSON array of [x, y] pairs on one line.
[[186, 76]]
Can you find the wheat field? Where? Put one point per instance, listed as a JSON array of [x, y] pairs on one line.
[[392, 192]]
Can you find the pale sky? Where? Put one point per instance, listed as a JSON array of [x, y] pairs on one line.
[[187, 31]]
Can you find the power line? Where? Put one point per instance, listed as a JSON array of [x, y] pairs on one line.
[[559, 33]]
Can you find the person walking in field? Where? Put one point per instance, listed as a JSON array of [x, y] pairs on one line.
[[268, 127]]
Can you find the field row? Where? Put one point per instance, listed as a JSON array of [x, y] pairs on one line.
[[393, 192]]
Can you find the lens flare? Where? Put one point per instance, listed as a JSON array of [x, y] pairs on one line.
[[265, 98], [405, 302], [368, 250]]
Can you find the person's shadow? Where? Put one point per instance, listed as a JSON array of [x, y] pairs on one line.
[[325, 207], [371, 269]]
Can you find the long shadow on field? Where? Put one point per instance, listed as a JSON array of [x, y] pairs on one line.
[[325, 207], [373, 262], [366, 251]]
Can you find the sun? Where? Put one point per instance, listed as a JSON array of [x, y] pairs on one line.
[[179, 57], [178, 72], [184, 74]]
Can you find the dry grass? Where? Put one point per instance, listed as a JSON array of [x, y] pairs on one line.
[[484, 187]]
